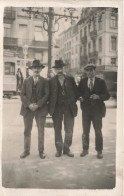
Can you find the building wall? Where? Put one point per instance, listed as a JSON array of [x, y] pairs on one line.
[[33, 36]]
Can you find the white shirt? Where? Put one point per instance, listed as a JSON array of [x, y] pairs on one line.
[[88, 82], [36, 79]]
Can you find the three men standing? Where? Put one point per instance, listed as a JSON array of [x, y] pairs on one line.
[[62, 93], [93, 93], [34, 97], [62, 106]]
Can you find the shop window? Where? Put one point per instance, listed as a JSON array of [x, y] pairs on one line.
[[9, 68]]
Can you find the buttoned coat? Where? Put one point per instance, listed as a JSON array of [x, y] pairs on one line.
[[71, 91], [42, 94], [100, 89]]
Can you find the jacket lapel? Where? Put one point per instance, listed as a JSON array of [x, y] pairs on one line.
[[55, 83], [95, 83], [30, 84], [39, 83]]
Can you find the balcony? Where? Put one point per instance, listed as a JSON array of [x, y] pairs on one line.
[[33, 43], [21, 42], [9, 16], [8, 41], [40, 44], [93, 33], [93, 54]]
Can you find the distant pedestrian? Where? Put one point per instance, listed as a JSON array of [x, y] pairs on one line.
[[19, 79], [93, 92], [34, 97], [62, 107]]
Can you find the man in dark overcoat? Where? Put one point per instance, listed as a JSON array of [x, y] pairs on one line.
[[34, 97], [93, 92], [62, 107]]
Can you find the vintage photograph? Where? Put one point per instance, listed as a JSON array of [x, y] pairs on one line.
[[60, 70]]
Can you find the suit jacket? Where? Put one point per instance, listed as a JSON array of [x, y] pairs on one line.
[[42, 94], [100, 89], [71, 90]]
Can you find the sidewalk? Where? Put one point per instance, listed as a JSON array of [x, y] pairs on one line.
[[56, 173]]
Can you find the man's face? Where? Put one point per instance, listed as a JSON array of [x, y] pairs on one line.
[[90, 73], [59, 71], [36, 71]]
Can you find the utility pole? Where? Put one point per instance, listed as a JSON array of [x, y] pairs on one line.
[[50, 20]]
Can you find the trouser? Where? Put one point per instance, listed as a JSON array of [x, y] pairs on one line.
[[96, 119], [63, 113], [28, 122]]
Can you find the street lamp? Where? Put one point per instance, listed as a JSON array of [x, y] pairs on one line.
[[50, 21], [25, 50]]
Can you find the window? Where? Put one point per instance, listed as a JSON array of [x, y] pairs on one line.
[[89, 29], [7, 30], [113, 21], [94, 45], [80, 33], [9, 68], [89, 47], [100, 44], [114, 43], [38, 33], [76, 49], [72, 63], [23, 31], [100, 61], [100, 24], [85, 31], [113, 61], [76, 63], [39, 56], [72, 50]]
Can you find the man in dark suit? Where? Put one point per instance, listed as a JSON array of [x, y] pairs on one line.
[[62, 106], [93, 92], [34, 97]]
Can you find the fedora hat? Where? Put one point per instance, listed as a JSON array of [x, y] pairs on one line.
[[59, 64], [36, 63], [90, 66]]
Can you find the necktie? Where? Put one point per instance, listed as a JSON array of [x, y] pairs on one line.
[[35, 80], [91, 84]]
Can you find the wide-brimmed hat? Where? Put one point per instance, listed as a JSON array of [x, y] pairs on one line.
[[90, 66], [59, 64], [36, 63]]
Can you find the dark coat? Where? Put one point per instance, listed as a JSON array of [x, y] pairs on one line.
[[100, 89], [71, 90], [42, 95]]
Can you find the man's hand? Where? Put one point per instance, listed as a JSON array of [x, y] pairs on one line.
[[33, 107], [94, 96]]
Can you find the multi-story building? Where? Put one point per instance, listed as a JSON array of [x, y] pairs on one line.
[[98, 35], [97, 30], [24, 41], [68, 42]]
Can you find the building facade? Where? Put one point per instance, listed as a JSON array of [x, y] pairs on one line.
[[93, 39], [99, 37], [68, 42], [24, 40]]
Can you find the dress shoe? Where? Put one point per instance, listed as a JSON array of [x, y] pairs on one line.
[[99, 155], [42, 155], [84, 153], [68, 153], [24, 155], [58, 154]]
